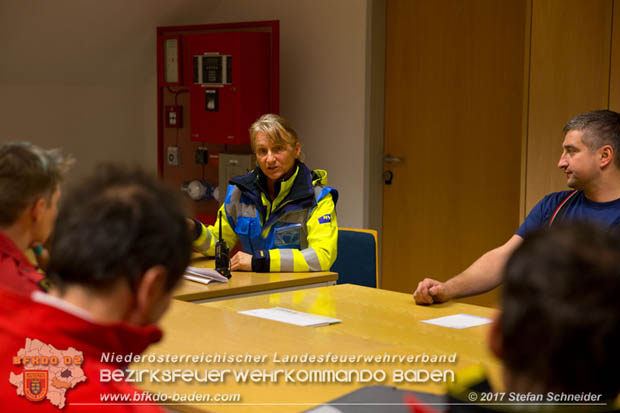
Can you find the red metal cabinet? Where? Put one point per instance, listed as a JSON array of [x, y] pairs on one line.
[[222, 112]]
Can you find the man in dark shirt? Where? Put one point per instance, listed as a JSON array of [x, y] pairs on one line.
[[591, 161], [557, 333]]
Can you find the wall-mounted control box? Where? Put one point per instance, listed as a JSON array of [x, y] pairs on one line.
[[174, 155], [201, 156], [233, 164]]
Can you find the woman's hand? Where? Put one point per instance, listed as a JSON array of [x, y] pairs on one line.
[[241, 262]]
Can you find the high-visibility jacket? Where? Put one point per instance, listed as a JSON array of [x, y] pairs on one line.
[[297, 231]]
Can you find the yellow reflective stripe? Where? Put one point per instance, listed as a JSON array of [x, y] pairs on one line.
[[245, 210], [312, 259], [294, 260], [287, 260], [322, 241], [323, 237], [205, 244], [274, 260], [300, 264], [202, 243]]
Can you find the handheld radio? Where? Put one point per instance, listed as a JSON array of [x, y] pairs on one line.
[[222, 258]]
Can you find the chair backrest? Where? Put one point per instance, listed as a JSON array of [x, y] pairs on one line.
[[357, 261]]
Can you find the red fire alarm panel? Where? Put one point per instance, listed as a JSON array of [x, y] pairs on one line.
[[213, 81], [231, 84]]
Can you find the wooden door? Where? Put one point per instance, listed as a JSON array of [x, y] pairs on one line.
[[453, 113], [569, 74], [614, 70]]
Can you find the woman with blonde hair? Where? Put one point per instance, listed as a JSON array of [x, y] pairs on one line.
[[282, 212]]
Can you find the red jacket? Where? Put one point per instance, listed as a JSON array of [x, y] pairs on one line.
[[16, 272], [22, 319]]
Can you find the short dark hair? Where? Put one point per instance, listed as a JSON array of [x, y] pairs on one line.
[[27, 172], [116, 225], [560, 320], [599, 127]]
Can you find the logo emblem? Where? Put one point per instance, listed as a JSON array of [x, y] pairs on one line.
[[325, 219], [37, 381], [35, 384]]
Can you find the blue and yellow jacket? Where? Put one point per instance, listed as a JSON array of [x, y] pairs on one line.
[[297, 231]]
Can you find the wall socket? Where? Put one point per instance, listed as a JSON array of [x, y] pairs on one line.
[[174, 155]]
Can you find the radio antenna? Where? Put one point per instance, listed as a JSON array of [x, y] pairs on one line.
[[222, 258]]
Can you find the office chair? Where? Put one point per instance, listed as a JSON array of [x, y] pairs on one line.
[[357, 261]]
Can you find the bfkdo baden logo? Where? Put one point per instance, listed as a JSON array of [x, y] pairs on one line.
[[35, 384], [48, 373]]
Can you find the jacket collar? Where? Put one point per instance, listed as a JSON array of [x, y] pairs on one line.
[[300, 196], [255, 183], [8, 247], [22, 317]]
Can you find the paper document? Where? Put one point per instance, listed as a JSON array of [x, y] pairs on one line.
[[204, 275], [197, 279], [291, 317], [459, 321]]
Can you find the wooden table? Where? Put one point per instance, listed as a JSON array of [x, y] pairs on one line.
[[243, 284], [374, 322]]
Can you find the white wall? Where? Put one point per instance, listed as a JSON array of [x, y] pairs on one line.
[[81, 74]]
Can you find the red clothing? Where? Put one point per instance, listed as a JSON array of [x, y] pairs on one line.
[[415, 406], [16, 272], [21, 318]]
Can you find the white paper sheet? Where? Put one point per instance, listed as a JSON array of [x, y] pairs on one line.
[[297, 318], [458, 321], [192, 273], [197, 279]]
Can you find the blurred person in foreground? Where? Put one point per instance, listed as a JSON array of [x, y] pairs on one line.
[[114, 267], [30, 179], [557, 333]]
